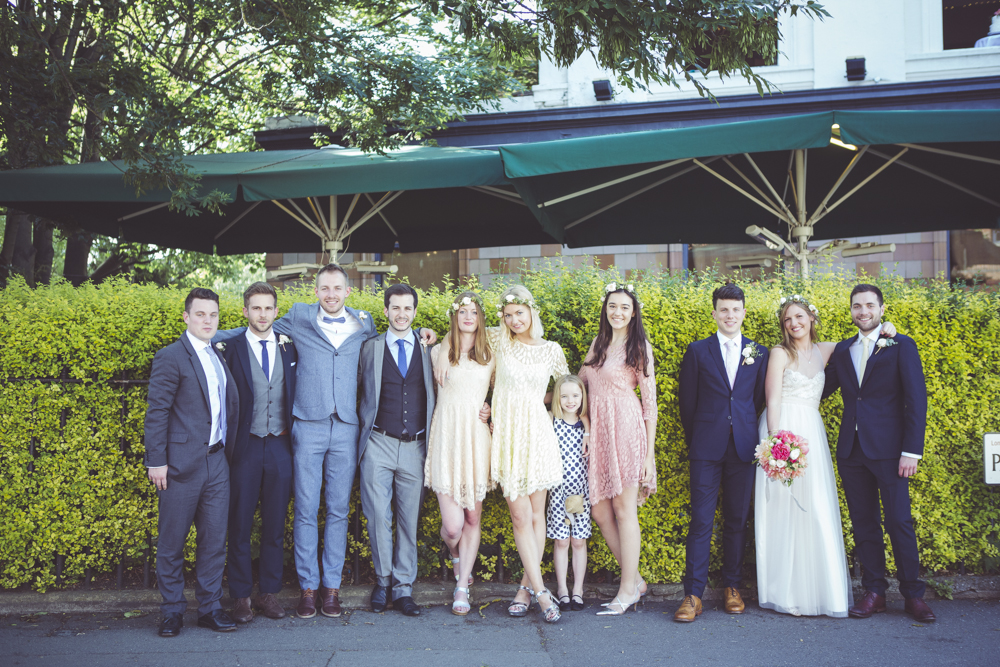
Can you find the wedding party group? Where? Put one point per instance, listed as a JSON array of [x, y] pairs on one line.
[[300, 403]]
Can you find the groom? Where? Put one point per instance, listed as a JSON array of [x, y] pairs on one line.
[[721, 394], [881, 440]]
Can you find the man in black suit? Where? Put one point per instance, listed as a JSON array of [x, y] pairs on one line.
[[721, 393], [190, 421], [881, 439], [263, 367]]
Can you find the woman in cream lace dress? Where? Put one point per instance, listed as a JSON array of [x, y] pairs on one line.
[[457, 467]]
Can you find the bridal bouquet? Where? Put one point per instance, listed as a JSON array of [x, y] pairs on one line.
[[782, 457]]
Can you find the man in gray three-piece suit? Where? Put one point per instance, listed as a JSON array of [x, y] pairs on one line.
[[191, 419], [397, 402]]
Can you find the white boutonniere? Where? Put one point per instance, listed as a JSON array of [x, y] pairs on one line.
[[883, 343], [362, 315], [221, 347], [283, 340], [750, 352]]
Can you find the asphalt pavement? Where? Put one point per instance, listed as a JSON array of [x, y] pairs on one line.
[[967, 633]]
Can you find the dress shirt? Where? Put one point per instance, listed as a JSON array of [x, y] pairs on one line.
[[215, 383], [338, 332], [857, 349], [256, 348], [408, 339], [732, 365]]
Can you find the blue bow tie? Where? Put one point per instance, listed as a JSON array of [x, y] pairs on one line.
[[329, 320]]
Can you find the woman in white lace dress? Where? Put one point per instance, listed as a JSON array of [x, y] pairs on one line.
[[801, 563]]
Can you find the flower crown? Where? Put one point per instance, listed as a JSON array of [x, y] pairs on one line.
[[614, 287], [797, 298], [511, 298], [466, 301]]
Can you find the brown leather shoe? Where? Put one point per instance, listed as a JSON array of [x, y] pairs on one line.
[[689, 609], [871, 603], [734, 603], [330, 599], [307, 604], [269, 606], [918, 609], [242, 613]]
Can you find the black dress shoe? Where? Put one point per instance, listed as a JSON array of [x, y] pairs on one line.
[[217, 620], [407, 606], [379, 598], [171, 624]]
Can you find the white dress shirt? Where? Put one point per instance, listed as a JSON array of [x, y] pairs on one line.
[[857, 350], [257, 350], [338, 332], [732, 358], [216, 385], [409, 341]]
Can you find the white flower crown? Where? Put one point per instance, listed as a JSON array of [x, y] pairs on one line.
[[466, 301], [511, 298], [797, 298], [614, 287]]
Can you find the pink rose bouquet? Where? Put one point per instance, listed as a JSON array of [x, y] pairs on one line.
[[782, 457]]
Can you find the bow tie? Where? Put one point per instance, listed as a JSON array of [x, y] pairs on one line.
[[329, 320]]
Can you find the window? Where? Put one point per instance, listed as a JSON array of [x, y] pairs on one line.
[[966, 21]]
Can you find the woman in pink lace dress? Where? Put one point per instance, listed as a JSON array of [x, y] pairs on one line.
[[622, 463]]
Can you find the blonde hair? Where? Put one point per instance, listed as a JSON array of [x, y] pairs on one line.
[[522, 297], [480, 352], [557, 410], [787, 344]]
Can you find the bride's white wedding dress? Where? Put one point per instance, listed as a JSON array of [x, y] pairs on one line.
[[801, 564]]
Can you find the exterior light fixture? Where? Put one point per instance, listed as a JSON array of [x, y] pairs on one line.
[[856, 68], [602, 90]]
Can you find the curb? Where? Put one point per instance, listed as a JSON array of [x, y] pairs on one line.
[[961, 587]]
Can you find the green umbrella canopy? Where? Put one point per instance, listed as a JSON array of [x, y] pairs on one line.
[[428, 199], [677, 185]]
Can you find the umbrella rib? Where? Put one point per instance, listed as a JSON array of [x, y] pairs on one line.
[[942, 151], [350, 209], [382, 203], [308, 225], [840, 181], [770, 187], [738, 189], [382, 215], [616, 181], [940, 178], [318, 210], [493, 192], [303, 214], [236, 219], [751, 184], [634, 194], [817, 218], [143, 211]]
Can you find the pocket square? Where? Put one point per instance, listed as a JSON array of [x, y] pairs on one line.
[[293, 363]]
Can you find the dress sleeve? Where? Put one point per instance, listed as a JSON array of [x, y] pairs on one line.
[[559, 365], [647, 387], [585, 370]]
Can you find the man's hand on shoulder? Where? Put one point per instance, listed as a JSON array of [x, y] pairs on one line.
[[427, 336]]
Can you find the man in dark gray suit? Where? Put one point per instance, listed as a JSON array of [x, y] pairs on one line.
[[396, 383], [191, 419]]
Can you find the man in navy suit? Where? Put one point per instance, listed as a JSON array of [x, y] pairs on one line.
[[263, 368], [721, 394], [881, 440]]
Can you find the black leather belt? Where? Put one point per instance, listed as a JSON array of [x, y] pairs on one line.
[[401, 438], [216, 447]]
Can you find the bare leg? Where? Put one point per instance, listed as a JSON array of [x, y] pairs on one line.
[[560, 558], [626, 513], [604, 514], [579, 565], [452, 522], [468, 546], [529, 546]]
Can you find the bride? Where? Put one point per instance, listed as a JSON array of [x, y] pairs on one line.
[[801, 564]]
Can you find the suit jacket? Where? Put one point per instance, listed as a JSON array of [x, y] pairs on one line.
[[370, 385], [888, 410], [179, 417], [239, 357], [709, 407]]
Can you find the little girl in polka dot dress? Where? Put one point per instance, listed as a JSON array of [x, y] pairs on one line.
[[569, 503]]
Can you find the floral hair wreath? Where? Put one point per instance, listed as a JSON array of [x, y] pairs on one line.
[[614, 287], [797, 298], [511, 298], [466, 301]]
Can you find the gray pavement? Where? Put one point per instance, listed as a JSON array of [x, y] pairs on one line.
[[967, 633]]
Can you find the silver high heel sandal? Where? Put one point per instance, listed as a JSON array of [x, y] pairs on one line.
[[623, 606], [642, 594], [519, 609], [552, 614]]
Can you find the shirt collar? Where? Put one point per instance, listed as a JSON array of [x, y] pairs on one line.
[[408, 338], [723, 340], [253, 338], [196, 343], [873, 336]]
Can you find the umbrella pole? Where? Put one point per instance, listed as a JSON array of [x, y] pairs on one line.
[[803, 230]]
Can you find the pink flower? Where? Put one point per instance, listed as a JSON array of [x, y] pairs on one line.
[[780, 451]]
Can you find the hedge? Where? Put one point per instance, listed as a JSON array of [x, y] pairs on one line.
[[71, 470]]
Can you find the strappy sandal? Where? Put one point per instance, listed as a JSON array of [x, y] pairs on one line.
[[461, 607], [519, 609], [551, 615], [609, 609], [574, 605], [642, 594]]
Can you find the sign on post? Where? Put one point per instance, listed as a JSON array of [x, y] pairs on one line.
[[991, 457]]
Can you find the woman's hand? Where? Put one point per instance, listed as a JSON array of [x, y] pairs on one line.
[[648, 472], [484, 413], [888, 330], [585, 446], [441, 368]]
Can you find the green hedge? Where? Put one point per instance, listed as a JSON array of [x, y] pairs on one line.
[[73, 483]]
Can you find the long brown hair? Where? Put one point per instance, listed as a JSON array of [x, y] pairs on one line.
[[635, 340], [787, 344], [480, 352]]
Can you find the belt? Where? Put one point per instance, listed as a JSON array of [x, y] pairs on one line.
[[216, 447], [401, 438], [270, 435]]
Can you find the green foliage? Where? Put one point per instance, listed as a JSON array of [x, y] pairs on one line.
[[84, 494]]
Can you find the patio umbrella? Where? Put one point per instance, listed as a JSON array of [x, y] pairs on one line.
[[421, 198]]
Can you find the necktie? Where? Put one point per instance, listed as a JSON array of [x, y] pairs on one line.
[[330, 320], [864, 360], [220, 377], [264, 361], [401, 360], [731, 362]]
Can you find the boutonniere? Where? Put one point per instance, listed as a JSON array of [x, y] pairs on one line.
[[362, 315], [283, 340], [221, 347], [884, 342], [750, 352]]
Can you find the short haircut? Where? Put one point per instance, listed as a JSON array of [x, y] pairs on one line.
[[333, 268], [728, 292], [865, 287], [557, 410], [259, 288], [199, 293], [400, 289]]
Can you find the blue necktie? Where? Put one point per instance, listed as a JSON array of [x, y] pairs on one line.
[[264, 361], [401, 361], [330, 320]]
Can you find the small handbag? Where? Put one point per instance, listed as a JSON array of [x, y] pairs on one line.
[[574, 506]]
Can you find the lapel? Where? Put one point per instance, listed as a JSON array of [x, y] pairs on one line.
[[843, 355], [364, 323], [872, 358], [716, 352], [243, 354], [313, 316], [199, 371], [379, 354]]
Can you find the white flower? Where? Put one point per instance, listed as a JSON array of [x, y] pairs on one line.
[[747, 352], [783, 300], [221, 347], [283, 339], [640, 305], [881, 342], [796, 297], [812, 308], [510, 298], [466, 301], [630, 288], [610, 287], [749, 361], [794, 454], [362, 315], [779, 464]]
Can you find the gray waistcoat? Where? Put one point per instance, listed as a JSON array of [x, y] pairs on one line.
[[268, 397]]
